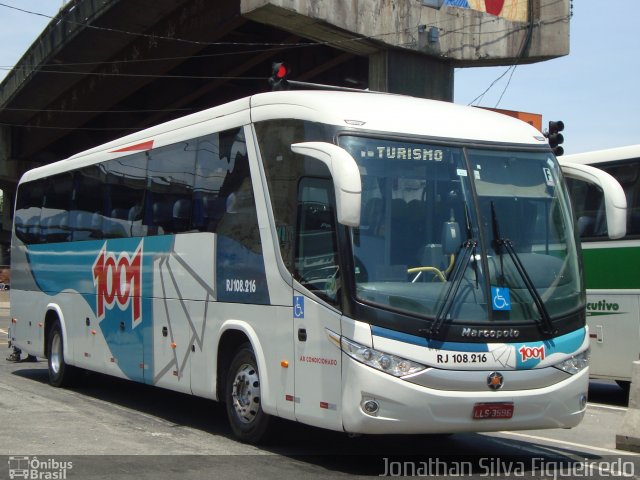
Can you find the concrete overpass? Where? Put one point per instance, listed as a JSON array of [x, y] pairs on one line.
[[105, 68]]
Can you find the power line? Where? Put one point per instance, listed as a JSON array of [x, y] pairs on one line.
[[148, 75], [62, 110], [69, 128], [278, 47], [523, 49], [156, 37], [504, 90], [139, 34], [164, 59], [479, 97]]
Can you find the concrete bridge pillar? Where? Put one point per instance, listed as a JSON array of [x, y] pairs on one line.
[[409, 73], [8, 181]]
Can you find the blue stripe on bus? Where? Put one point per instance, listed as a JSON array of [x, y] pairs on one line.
[[69, 267], [568, 344]]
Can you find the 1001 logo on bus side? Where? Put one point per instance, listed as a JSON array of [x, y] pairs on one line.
[[118, 280]]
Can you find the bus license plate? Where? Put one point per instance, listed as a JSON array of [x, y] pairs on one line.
[[491, 411]]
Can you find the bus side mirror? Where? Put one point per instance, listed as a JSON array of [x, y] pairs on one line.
[[615, 201], [345, 175]]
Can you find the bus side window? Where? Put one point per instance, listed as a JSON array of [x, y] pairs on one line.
[[87, 209], [54, 217], [316, 258], [588, 205], [628, 175], [28, 207], [211, 170], [284, 169], [126, 180], [240, 220], [170, 179], [222, 199]]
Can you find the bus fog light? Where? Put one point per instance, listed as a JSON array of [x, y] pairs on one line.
[[370, 407], [583, 401]]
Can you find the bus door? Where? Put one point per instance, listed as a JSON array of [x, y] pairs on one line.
[[315, 300], [174, 321]]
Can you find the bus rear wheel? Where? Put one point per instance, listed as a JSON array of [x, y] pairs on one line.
[[248, 421], [60, 374]]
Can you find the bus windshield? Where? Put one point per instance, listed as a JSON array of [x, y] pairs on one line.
[[459, 234]]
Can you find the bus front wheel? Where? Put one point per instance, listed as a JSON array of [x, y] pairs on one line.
[[60, 374], [242, 396]]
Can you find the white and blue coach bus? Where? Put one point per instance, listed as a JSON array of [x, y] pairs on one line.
[[362, 262]]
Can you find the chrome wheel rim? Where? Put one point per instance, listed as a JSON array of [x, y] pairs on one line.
[[246, 393], [55, 356]]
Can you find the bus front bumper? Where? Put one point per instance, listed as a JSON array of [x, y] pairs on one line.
[[402, 407]]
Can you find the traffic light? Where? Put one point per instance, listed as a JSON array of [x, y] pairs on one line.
[[555, 137], [278, 79]]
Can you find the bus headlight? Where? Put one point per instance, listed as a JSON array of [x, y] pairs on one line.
[[391, 364], [576, 363]]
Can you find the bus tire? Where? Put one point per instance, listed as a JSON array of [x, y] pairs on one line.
[[60, 373], [248, 421]]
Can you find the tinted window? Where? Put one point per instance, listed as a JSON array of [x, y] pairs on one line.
[[86, 217], [284, 169], [212, 168], [239, 222], [588, 205], [170, 182], [54, 217], [316, 261], [201, 184], [588, 201], [28, 207], [628, 175], [126, 182]]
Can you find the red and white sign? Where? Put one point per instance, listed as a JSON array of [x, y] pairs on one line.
[[528, 353], [492, 411], [118, 280]]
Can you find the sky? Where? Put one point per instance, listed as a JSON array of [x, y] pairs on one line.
[[595, 90]]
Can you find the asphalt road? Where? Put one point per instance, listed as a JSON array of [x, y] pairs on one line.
[[111, 428]]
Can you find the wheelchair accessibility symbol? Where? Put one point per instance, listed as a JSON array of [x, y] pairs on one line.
[[500, 298], [298, 307]]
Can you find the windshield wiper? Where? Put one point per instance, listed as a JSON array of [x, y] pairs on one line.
[[467, 250], [547, 325]]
